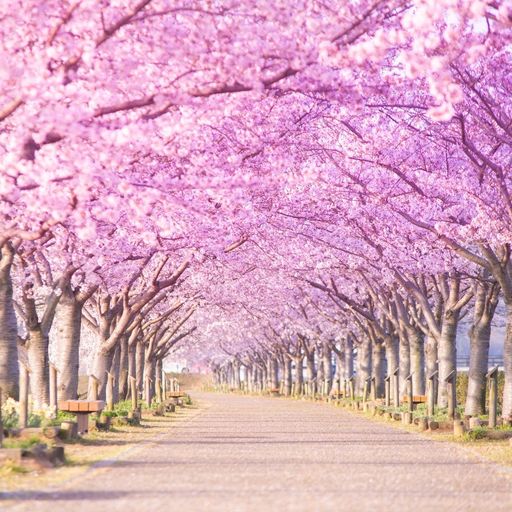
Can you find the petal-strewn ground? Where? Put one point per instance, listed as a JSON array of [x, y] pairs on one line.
[[261, 454]]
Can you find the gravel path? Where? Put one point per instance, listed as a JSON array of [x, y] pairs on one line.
[[261, 454]]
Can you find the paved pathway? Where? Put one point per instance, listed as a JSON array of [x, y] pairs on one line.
[[261, 454]]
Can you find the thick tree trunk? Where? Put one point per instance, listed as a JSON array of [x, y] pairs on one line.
[[132, 371], [287, 376], [236, 370], [264, 377], [37, 353], [431, 361], [139, 365], [231, 375], [417, 361], [486, 301], [479, 336], [257, 378], [274, 374], [327, 365], [319, 369], [102, 363], [122, 376], [310, 370], [299, 373], [158, 380], [9, 373], [114, 370], [249, 378], [364, 363], [392, 354], [68, 322], [149, 380], [340, 366], [349, 358], [379, 369], [447, 351], [404, 363], [507, 363]]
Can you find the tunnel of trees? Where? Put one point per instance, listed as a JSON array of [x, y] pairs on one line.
[[262, 189]]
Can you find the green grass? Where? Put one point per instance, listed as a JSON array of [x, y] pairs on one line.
[[25, 444]]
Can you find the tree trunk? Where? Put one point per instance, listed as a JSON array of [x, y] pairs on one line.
[[236, 370], [417, 361], [132, 371], [139, 365], [158, 380], [287, 376], [447, 353], [68, 322], [9, 373], [114, 370], [404, 362], [392, 354], [37, 353], [274, 373], [379, 369], [149, 380], [122, 376], [431, 355], [264, 376], [299, 373], [507, 363], [327, 364], [320, 373], [349, 358], [364, 364], [486, 300], [310, 370], [102, 363]]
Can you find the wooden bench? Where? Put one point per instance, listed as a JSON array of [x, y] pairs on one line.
[[416, 399], [175, 394], [82, 409]]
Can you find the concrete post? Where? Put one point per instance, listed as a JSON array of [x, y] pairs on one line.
[[492, 380]]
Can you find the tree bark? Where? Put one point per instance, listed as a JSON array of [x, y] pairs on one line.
[[447, 351], [507, 364], [149, 380], [299, 373], [139, 365], [486, 300], [404, 362], [327, 364], [379, 369], [287, 376], [310, 370], [132, 372], [9, 374], [122, 376], [431, 361], [236, 370], [68, 322], [274, 373], [102, 363], [364, 363], [417, 360], [37, 353], [392, 354], [114, 370], [349, 358]]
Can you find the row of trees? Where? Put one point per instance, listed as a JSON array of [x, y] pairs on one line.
[[261, 184]]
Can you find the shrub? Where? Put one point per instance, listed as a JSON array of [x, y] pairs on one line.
[[476, 433]]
